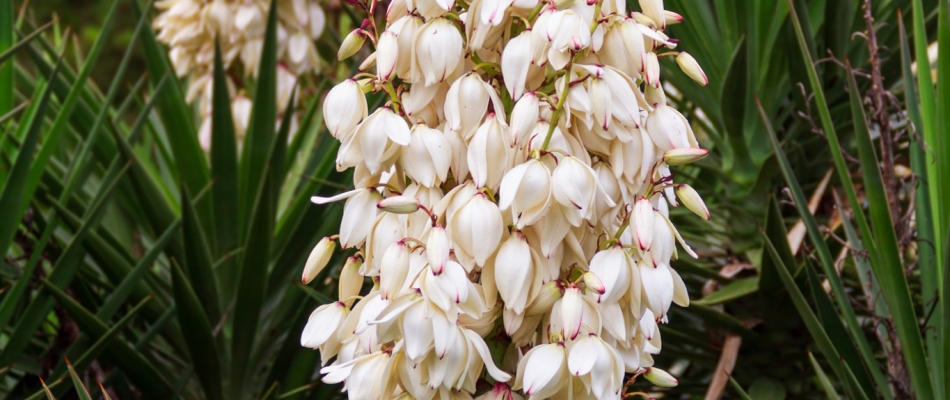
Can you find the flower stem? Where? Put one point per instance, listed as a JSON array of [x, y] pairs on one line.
[[392, 96], [536, 10], [556, 115], [593, 24]]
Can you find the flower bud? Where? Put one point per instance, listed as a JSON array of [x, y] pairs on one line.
[[351, 44], [684, 155], [393, 269], [387, 54], [672, 18], [572, 312], [549, 294], [594, 283], [643, 217], [692, 201], [660, 377], [643, 19], [350, 279], [523, 117], [691, 68], [399, 204], [318, 259], [437, 249], [652, 72]]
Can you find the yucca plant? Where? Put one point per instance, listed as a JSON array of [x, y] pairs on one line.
[[164, 271], [158, 269], [877, 320], [876, 251]]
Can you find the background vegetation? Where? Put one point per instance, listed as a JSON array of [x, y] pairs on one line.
[[162, 271]]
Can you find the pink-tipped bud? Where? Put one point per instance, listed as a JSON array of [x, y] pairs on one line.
[[549, 294], [691, 68], [652, 73], [594, 283], [692, 201], [672, 18], [351, 44], [660, 377], [684, 155]]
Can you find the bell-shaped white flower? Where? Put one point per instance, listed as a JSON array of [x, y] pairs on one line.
[[526, 190], [514, 272], [575, 187], [542, 371], [437, 249], [488, 153], [405, 29], [613, 266], [571, 310], [466, 103], [375, 137], [437, 50], [655, 11], [516, 60], [476, 228], [350, 279], [343, 108], [393, 270], [524, 117], [323, 324], [669, 129], [427, 158], [623, 48], [359, 208], [597, 361], [643, 223], [387, 54]]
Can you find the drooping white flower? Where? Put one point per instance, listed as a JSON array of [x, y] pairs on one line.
[[437, 50], [542, 371]]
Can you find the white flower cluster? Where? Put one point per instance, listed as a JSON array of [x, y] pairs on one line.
[[511, 202], [189, 28]]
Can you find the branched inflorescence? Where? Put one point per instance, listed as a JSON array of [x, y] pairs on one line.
[[511, 202], [189, 28]]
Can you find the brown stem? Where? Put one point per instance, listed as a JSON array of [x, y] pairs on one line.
[[879, 115]]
